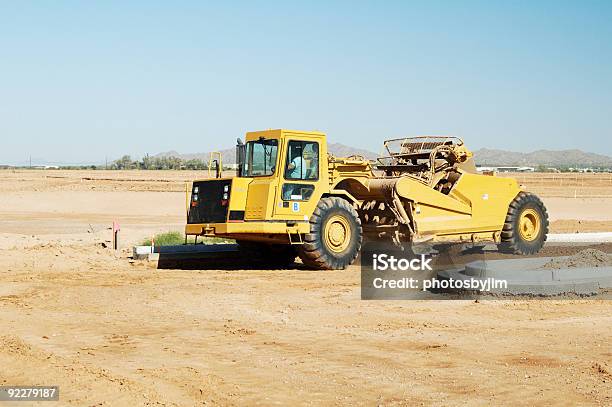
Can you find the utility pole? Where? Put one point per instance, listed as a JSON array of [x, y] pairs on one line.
[[30, 162]]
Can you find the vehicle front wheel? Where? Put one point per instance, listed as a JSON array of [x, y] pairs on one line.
[[335, 235]]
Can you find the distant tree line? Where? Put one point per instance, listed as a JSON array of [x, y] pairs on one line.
[[544, 168], [157, 163], [127, 163]]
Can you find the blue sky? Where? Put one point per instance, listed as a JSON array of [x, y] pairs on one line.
[[81, 81]]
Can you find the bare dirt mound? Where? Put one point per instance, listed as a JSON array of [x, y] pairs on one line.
[[584, 258]]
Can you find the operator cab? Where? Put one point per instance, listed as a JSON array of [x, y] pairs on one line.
[[285, 167], [258, 158]]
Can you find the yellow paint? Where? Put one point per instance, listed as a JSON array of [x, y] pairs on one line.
[[231, 228], [484, 201], [337, 233], [529, 224], [238, 197]]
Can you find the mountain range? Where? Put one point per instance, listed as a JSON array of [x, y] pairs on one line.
[[484, 156], [548, 158]]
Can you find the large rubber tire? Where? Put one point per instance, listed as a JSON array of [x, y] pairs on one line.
[[526, 225], [335, 235]]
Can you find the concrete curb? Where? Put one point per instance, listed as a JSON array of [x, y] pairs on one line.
[[525, 277], [535, 288], [198, 250], [595, 237]]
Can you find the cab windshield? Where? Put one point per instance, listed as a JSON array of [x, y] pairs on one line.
[[260, 158]]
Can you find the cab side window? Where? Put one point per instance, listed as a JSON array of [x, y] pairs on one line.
[[302, 161]]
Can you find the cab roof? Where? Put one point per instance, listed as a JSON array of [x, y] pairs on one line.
[[253, 135]]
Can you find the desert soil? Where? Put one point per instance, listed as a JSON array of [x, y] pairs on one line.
[[110, 331]]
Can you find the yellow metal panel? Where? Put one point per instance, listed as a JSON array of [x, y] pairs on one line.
[[260, 198], [488, 198], [238, 196]]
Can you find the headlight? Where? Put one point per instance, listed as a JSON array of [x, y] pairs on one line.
[[226, 188], [225, 196], [196, 190]]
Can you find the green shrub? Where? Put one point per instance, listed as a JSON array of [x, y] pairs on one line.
[[178, 238]]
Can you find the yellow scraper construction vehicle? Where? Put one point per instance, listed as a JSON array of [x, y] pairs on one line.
[[291, 198]]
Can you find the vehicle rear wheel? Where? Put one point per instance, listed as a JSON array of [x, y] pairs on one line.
[[526, 225], [335, 235]]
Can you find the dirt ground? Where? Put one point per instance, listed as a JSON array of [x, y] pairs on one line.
[[567, 185], [110, 331]]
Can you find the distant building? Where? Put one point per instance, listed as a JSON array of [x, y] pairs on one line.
[[505, 169], [45, 167], [584, 170]]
